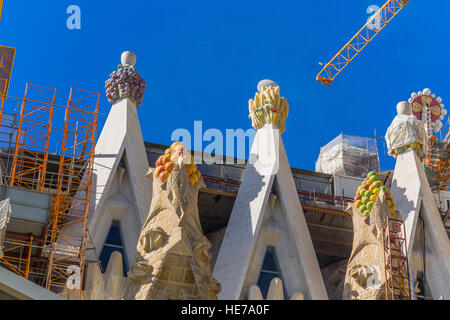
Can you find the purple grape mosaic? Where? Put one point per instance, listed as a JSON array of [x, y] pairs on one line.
[[125, 82]]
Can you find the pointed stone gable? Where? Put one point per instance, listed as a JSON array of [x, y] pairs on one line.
[[267, 212], [120, 188], [413, 196]]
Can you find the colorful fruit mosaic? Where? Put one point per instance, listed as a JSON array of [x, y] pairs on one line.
[[166, 163], [368, 192]]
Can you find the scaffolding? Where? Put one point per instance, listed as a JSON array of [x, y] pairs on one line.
[[18, 263], [349, 155], [398, 285], [26, 135], [68, 230], [436, 164], [29, 164]]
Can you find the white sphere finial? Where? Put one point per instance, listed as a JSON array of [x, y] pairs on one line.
[[404, 108], [266, 83], [128, 58]]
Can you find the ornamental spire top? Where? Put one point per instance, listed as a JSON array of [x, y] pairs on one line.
[[126, 82], [268, 107]]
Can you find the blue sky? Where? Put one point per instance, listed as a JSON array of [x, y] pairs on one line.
[[202, 60]]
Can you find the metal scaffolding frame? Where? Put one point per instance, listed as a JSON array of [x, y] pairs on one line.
[[29, 164], [398, 285], [25, 162], [68, 226]]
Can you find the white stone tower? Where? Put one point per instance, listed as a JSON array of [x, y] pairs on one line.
[[427, 242], [414, 199], [122, 193], [267, 216]]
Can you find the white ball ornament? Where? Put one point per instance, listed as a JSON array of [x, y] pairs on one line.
[[413, 95], [443, 112], [426, 92], [439, 99]]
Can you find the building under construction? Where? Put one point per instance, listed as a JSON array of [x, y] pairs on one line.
[[77, 205], [45, 192], [97, 213]]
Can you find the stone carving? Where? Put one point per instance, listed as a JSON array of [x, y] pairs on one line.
[[365, 276], [152, 239], [406, 133], [126, 81], [334, 277], [173, 259], [104, 286], [268, 107], [275, 292]]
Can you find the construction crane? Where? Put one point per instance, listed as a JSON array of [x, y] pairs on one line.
[[360, 40], [1, 6]]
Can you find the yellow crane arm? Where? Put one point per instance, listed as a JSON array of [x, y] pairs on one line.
[[356, 44]]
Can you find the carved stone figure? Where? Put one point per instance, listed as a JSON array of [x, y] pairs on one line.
[[406, 133], [173, 259], [268, 106], [365, 277]]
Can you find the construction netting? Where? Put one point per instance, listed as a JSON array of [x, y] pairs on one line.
[[406, 132], [349, 155]]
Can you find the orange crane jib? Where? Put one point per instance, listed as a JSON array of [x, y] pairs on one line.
[[1, 5], [356, 44]]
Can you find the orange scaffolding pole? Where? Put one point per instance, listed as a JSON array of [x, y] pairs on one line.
[[3, 97], [398, 285], [29, 164], [15, 262], [68, 230]]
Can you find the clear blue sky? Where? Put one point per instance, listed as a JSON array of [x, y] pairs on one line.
[[202, 60]]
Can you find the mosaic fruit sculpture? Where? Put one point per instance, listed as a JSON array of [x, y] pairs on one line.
[[165, 164], [125, 83], [268, 107], [368, 192]]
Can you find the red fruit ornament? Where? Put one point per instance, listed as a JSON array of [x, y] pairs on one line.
[[166, 159], [159, 170]]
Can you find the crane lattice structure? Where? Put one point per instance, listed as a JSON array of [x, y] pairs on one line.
[[360, 40]]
